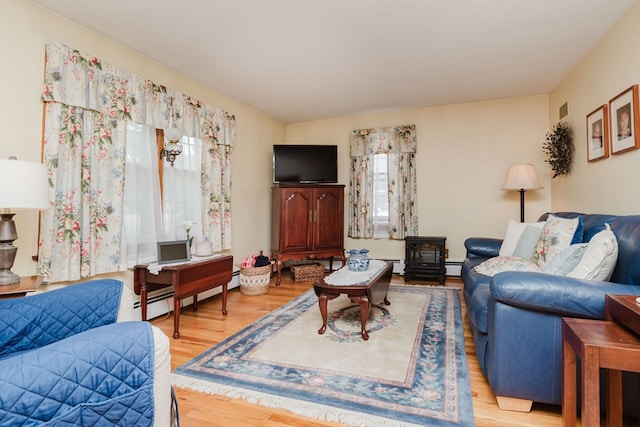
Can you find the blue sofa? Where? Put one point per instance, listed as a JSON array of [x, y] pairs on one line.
[[516, 317], [73, 357]]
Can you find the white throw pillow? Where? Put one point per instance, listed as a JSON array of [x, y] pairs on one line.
[[599, 259], [557, 234], [498, 264], [563, 263], [513, 234]]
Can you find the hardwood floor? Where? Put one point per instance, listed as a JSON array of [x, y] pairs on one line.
[[206, 327]]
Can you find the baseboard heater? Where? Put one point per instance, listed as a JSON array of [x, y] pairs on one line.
[[160, 302], [453, 268]]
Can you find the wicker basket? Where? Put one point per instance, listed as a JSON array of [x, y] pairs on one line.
[[255, 280], [307, 272]]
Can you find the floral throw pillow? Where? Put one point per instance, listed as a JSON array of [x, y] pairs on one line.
[[557, 235], [498, 264]]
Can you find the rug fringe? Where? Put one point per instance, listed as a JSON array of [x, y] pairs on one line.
[[300, 407]]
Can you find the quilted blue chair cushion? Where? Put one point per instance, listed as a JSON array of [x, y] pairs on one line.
[[48, 317], [99, 377], [65, 362]]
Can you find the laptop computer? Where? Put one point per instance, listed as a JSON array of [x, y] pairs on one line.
[[173, 251]]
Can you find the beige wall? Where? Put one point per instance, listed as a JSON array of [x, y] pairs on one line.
[[25, 28], [464, 150], [611, 185], [463, 155]]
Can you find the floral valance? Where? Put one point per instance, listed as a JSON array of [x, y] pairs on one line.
[[397, 139], [77, 79]]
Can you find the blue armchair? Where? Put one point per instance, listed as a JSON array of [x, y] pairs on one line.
[[66, 359]]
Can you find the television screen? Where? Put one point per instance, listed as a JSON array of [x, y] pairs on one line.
[[305, 164]]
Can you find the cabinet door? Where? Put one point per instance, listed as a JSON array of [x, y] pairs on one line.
[[328, 220], [295, 221]]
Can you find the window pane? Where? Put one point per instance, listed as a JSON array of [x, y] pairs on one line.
[[141, 216], [380, 196], [181, 192]]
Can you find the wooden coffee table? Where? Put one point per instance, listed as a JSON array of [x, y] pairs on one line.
[[373, 291]]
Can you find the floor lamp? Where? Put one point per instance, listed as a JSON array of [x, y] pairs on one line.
[[23, 186], [522, 178]]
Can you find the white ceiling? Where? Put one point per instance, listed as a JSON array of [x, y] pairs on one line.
[[300, 60]]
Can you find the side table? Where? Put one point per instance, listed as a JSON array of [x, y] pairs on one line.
[[187, 279], [27, 284], [598, 344]]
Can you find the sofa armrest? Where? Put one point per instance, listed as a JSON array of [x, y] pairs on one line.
[[560, 295], [42, 319], [482, 247]]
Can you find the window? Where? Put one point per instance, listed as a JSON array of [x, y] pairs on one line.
[[380, 197], [181, 194], [141, 207], [149, 215], [86, 128], [382, 185]]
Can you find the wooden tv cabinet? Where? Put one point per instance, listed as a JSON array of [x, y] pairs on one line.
[[307, 222]]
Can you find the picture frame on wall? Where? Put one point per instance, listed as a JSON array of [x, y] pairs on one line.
[[598, 134], [624, 121]]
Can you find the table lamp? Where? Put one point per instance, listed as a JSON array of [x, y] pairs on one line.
[[522, 177], [23, 186]]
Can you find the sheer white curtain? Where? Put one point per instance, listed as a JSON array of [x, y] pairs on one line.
[[142, 213], [181, 192]]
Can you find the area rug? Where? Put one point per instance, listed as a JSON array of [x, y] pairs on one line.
[[411, 372]]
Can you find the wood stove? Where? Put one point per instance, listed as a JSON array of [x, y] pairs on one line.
[[424, 258]]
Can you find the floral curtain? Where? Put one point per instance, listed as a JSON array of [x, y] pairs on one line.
[[88, 102], [81, 235], [399, 144]]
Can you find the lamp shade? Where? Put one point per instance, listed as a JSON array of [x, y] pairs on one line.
[[522, 177], [23, 185], [173, 135]]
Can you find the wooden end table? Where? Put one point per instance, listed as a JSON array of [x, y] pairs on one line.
[[599, 344], [27, 284], [188, 280], [372, 292]]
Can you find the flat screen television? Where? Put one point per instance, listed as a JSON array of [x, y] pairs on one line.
[[305, 164]]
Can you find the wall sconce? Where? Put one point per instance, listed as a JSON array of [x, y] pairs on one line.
[[522, 178], [172, 147], [23, 186]]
